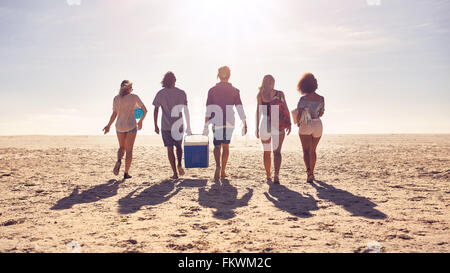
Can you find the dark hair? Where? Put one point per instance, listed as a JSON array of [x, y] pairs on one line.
[[307, 84], [125, 88], [169, 80], [224, 73]]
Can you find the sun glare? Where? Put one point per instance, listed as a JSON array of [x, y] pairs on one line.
[[228, 5], [231, 20]]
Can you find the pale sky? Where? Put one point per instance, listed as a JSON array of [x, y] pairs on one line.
[[382, 68]]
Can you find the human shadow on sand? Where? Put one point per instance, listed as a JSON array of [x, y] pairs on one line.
[[222, 196], [192, 183], [356, 205], [291, 201], [103, 191], [154, 195]]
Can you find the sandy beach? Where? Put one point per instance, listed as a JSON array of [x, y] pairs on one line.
[[388, 193]]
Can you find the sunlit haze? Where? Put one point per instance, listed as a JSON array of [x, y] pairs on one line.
[[383, 66]]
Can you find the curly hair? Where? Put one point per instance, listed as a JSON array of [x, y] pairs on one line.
[[169, 80], [307, 84]]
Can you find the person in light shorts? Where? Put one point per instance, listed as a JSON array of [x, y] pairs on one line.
[[271, 132], [310, 132], [314, 129], [124, 106], [222, 97]]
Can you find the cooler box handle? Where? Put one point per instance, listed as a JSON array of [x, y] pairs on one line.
[[184, 140]]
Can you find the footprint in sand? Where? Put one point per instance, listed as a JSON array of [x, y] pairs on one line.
[[13, 222], [180, 247], [199, 227]]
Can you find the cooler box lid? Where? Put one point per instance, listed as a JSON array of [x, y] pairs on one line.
[[196, 140]]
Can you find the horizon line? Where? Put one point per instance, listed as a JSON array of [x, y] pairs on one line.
[[86, 135]]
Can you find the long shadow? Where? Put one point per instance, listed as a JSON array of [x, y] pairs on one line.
[[154, 195], [357, 205], [291, 201], [192, 183], [222, 196], [109, 189]]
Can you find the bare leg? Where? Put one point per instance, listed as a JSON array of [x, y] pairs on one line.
[[225, 154], [122, 143], [179, 159], [266, 157], [217, 158], [306, 145], [120, 152], [131, 137], [217, 155], [267, 163], [277, 157], [315, 142], [171, 157]]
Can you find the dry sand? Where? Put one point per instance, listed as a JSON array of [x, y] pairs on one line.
[[390, 191]]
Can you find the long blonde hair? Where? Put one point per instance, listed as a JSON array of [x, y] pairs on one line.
[[266, 88], [125, 88]]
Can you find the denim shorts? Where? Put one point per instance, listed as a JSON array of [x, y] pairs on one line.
[[222, 136], [131, 131], [168, 140]]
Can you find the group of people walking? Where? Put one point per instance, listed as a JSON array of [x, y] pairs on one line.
[[273, 121]]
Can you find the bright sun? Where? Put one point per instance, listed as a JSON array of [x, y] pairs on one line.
[[228, 17]]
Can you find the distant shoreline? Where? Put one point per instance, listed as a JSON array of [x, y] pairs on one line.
[[293, 133]]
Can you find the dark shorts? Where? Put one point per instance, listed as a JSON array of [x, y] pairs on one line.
[[131, 131], [168, 140], [222, 136]]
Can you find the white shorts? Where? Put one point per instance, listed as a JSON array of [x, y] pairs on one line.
[[314, 128], [269, 139], [268, 135]]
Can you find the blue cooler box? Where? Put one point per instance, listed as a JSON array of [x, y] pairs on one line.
[[196, 151]]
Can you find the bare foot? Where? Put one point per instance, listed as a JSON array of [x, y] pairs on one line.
[[174, 176], [180, 170], [222, 173], [276, 179]]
